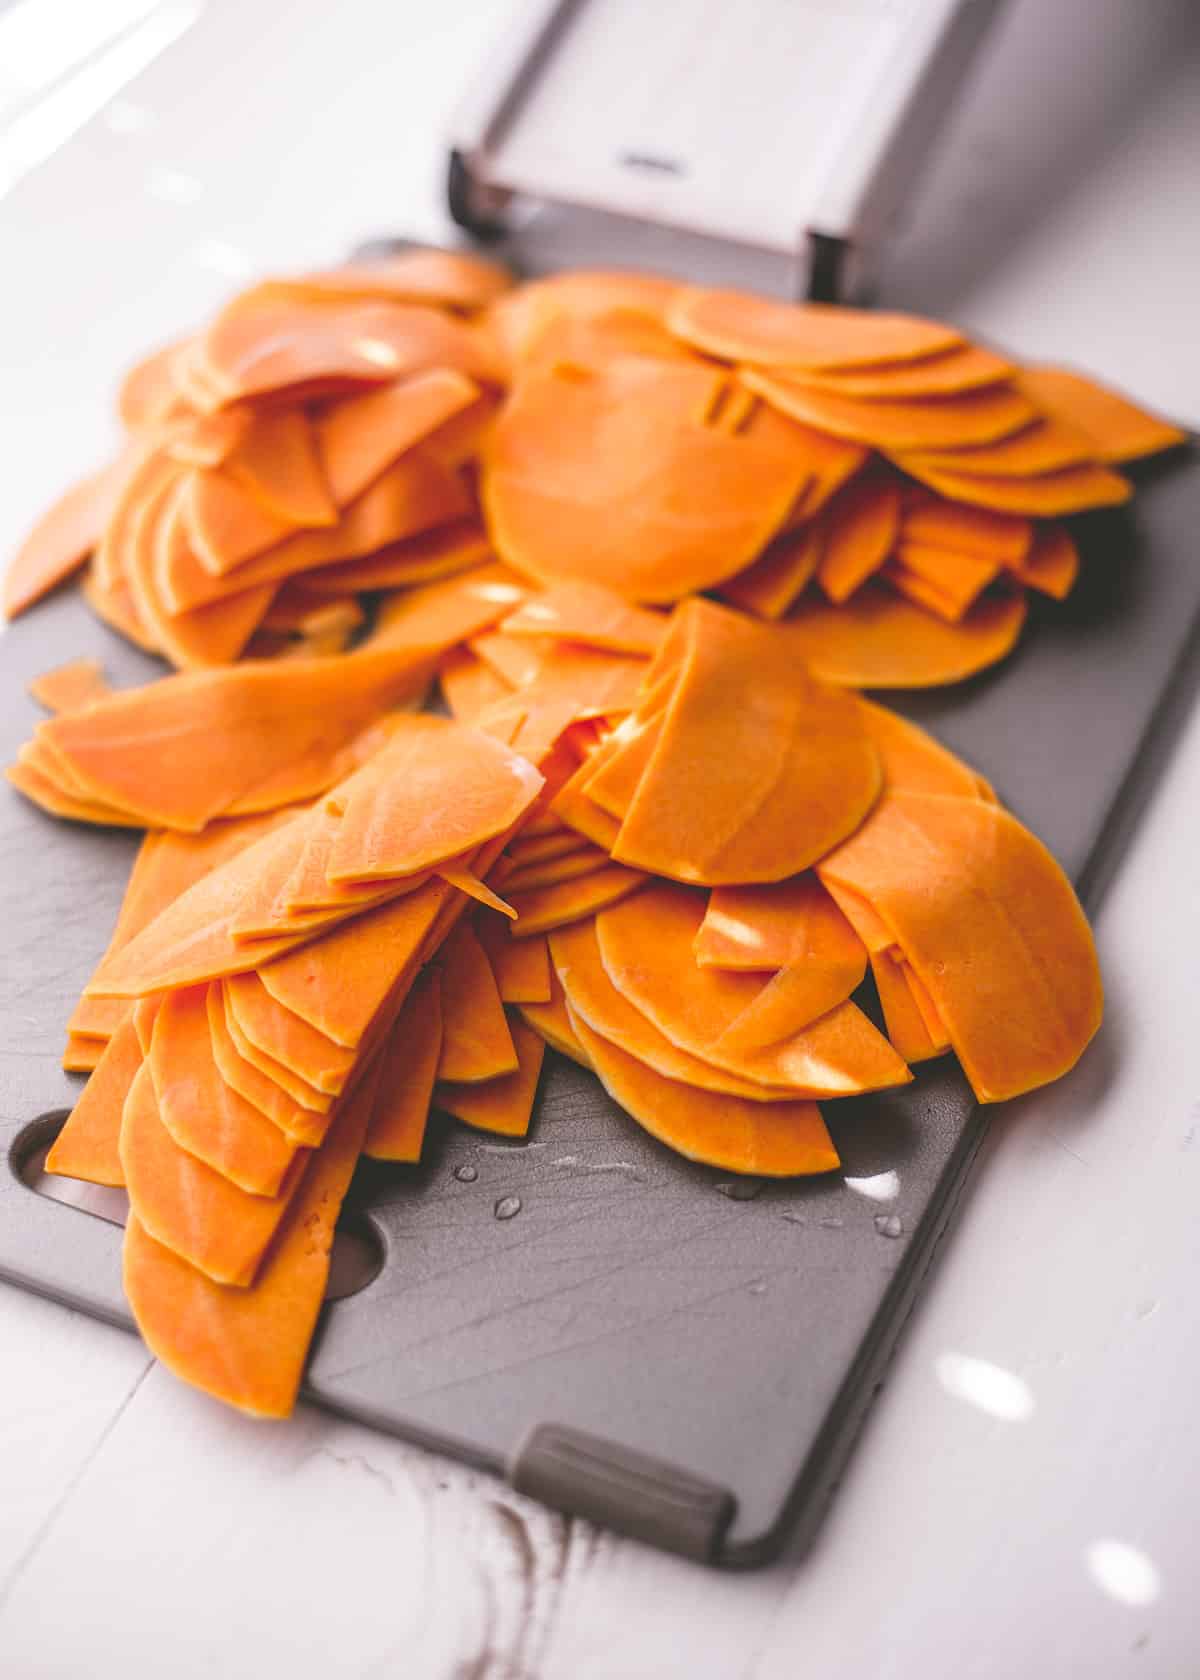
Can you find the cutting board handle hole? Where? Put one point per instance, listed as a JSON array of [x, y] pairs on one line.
[[357, 1258], [27, 1159]]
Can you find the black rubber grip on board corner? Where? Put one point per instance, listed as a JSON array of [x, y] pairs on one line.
[[642, 1496]]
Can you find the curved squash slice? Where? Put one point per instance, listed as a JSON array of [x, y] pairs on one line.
[[542, 909], [148, 393], [786, 925], [579, 611], [302, 1125], [780, 574], [990, 925], [362, 435], [913, 762], [954, 422], [82, 1053], [612, 475], [1044, 446], [248, 1346], [226, 525], [440, 615], [300, 1091], [1069, 490], [263, 343], [412, 495], [476, 1041], [407, 1070], [286, 1038], [646, 946], [448, 548], [63, 538], [521, 966], [342, 981], [234, 740], [73, 686], [435, 791], [934, 522], [276, 459], [860, 529], [877, 640], [966, 367], [518, 321], [758, 768], [1118, 429], [592, 997], [740, 327], [185, 1205], [551, 1022], [1052, 564], [504, 1104], [775, 1140], [906, 1025], [203, 1115], [88, 1145]]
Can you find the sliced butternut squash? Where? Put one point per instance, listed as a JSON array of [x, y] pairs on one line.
[[503, 1104], [877, 640], [469, 684], [970, 417], [1068, 490], [1052, 564], [62, 538], [780, 574], [186, 1205], [789, 924], [757, 766], [774, 1140], [286, 1038], [934, 522], [542, 909], [521, 966], [991, 927], [360, 436], [1118, 429], [439, 615], [741, 327], [476, 1041], [966, 367], [906, 1028], [302, 1125], [581, 611], [455, 546], [88, 1146], [407, 1069], [592, 997], [203, 1115], [860, 529], [69, 687], [552, 1022], [247, 1346], [612, 475], [82, 1053], [646, 946]]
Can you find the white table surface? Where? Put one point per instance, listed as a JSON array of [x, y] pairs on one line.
[[1023, 1499]]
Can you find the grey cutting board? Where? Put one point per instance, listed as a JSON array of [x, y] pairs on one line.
[[637, 1343]]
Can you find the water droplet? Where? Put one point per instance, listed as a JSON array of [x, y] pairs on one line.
[[741, 1189], [758, 1288], [466, 1174], [508, 1207], [889, 1224]]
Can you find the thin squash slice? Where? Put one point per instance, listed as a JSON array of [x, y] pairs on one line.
[[579, 611], [877, 640], [553, 1023], [991, 927], [504, 1103], [541, 909], [740, 327], [592, 997], [88, 1146], [1118, 429], [860, 529], [773, 1140], [521, 966], [757, 770], [970, 417], [360, 436], [647, 945], [62, 539], [408, 1067], [906, 1026], [203, 1115], [69, 687], [789, 924], [187, 1206], [303, 1126], [477, 1043], [247, 1346]]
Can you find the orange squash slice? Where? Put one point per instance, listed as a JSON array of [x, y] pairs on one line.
[[88, 1146], [876, 640], [407, 1069], [774, 1140], [741, 327], [504, 1103]]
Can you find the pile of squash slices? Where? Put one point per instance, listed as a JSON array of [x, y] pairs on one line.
[[646, 542]]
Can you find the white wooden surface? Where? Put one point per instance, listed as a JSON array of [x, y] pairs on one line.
[[1023, 1498]]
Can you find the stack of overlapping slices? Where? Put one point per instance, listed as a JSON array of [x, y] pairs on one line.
[[889, 486], [883, 482], [318, 427]]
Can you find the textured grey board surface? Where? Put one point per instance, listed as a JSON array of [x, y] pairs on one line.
[[631, 1298]]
